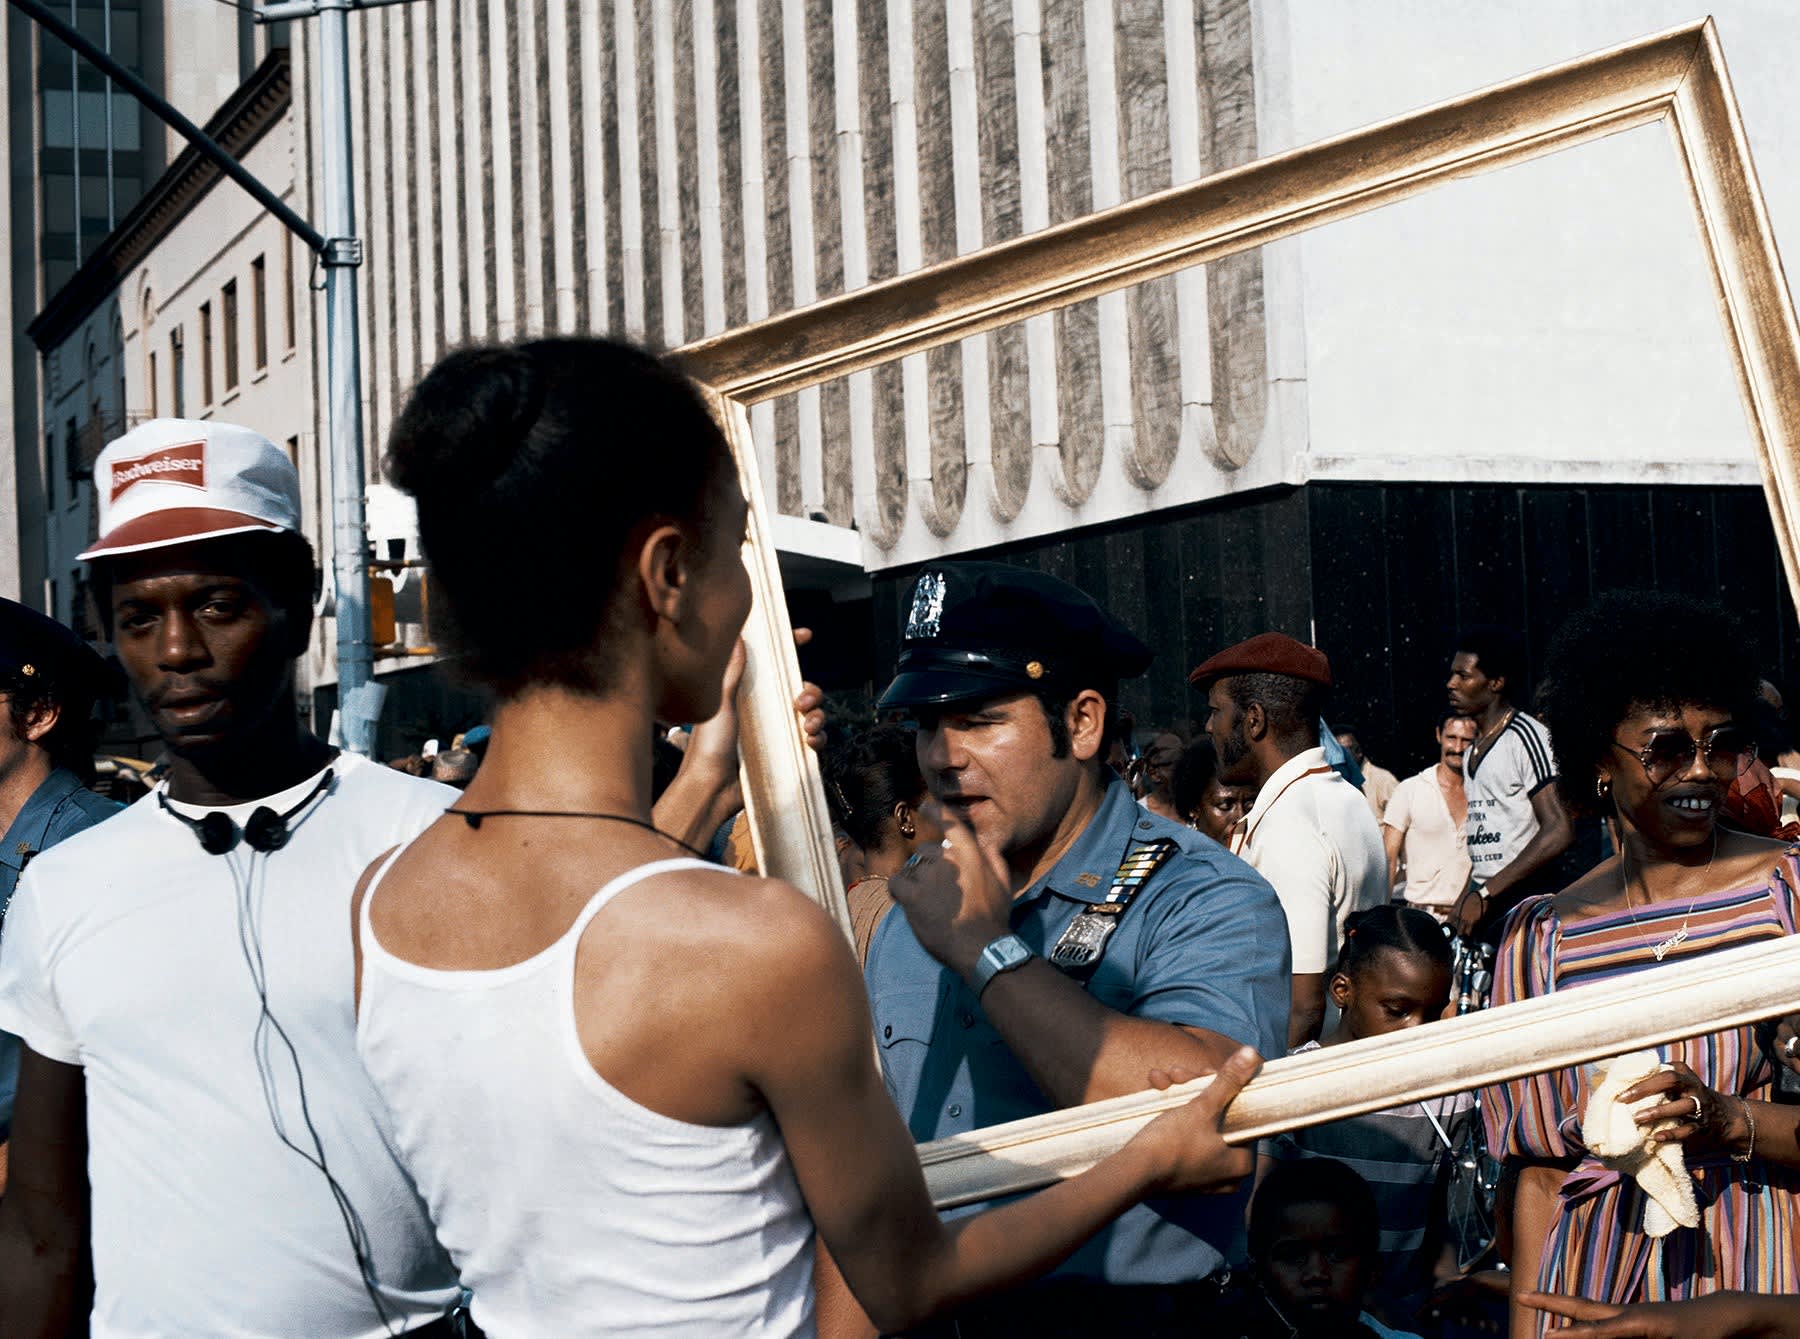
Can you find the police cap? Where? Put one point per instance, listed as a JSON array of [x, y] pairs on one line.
[[978, 630], [39, 650]]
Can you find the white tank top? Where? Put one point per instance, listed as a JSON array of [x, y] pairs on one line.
[[568, 1208]]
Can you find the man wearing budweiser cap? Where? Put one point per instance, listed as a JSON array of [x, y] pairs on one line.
[[1310, 832], [181, 973]]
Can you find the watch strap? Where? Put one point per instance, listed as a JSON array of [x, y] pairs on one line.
[[1001, 955]]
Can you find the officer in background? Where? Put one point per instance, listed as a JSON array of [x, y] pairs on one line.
[[1063, 942], [49, 680]]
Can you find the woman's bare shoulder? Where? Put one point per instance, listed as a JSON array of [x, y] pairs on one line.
[[764, 918]]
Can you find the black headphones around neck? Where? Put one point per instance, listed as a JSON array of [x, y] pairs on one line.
[[265, 830]]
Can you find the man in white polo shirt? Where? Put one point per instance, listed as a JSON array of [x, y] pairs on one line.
[[181, 973], [1423, 825], [1310, 833]]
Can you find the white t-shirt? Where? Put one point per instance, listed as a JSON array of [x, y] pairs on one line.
[[1499, 782], [122, 954], [1436, 851], [1311, 834]]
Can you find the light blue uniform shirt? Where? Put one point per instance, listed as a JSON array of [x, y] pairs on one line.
[[60, 807], [1204, 944]]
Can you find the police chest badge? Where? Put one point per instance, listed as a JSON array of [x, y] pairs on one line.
[[927, 607], [1079, 950]]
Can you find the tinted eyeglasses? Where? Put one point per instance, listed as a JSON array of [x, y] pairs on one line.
[[1729, 749]]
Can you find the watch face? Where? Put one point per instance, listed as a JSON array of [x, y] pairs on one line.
[[1011, 951]]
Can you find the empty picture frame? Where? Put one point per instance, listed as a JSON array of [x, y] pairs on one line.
[[1677, 77]]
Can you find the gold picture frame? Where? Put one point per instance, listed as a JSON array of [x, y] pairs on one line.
[[1677, 77]]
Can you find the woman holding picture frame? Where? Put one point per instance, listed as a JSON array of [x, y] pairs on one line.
[[1649, 698], [627, 1108]]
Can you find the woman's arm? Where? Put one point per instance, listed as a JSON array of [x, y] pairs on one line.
[[1533, 1212], [859, 1170], [1715, 1316]]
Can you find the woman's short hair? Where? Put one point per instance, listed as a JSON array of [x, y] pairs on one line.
[[533, 464], [1635, 650], [1313, 1181], [868, 776]]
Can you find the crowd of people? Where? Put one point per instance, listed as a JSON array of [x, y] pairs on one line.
[[308, 1045]]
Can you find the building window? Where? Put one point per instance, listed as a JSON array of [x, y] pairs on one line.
[[259, 307], [287, 288], [151, 378], [71, 445], [177, 375], [228, 315], [206, 358]]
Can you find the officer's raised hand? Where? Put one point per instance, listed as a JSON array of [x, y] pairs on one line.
[[956, 896]]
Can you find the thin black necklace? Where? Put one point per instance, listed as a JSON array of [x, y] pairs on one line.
[[473, 818]]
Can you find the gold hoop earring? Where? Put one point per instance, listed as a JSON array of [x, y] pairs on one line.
[[907, 828], [1602, 788]]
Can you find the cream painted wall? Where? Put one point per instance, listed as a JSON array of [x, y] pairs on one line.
[[1554, 322]]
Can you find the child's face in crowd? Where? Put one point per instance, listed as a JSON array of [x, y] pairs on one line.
[[1392, 991], [1315, 1272]]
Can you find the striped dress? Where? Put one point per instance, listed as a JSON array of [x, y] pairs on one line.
[[1596, 1246]]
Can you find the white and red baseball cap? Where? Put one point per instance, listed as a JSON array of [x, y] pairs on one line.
[[176, 480]]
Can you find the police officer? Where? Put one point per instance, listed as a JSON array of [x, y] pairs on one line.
[[49, 679], [1062, 942]]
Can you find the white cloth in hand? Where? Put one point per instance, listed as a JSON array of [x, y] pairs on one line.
[[1620, 1143]]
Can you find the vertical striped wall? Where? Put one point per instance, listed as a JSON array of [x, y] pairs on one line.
[[667, 169]]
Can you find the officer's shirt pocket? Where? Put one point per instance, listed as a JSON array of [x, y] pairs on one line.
[[903, 1024]]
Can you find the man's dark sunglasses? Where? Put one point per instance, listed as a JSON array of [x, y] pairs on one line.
[[1729, 750]]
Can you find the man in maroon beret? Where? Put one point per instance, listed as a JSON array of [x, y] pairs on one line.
[[1310, 832]]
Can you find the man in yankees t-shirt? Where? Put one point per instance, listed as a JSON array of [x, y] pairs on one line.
[[1516, 826]]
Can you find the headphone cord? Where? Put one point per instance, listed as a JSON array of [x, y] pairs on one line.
[[473, 818], [250, 898], [250, 941]]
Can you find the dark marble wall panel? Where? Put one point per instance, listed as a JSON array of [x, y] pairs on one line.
[[687, 174], [1080, 422], [997, 131], [1383, 577], [1618, 538], [1418, 540], [1141, 65], [731, 162]]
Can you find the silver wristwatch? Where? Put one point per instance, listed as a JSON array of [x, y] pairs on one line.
[[1003, 955]]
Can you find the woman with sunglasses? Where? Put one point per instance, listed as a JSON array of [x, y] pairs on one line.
[[1649, 699]]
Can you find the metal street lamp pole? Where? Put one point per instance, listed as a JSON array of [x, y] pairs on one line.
[[359, 697], [340, 252]]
